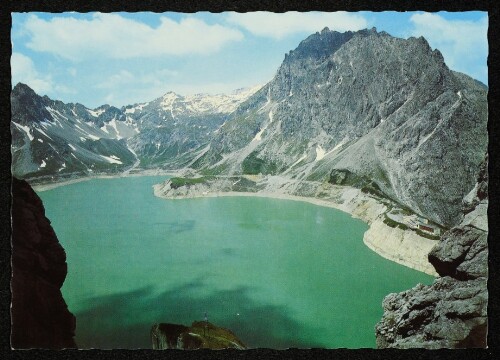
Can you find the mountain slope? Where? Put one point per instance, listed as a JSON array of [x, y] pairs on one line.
[[51, 139], [386, 109], [175, 129]]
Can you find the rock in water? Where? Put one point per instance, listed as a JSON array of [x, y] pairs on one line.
[[452, 312], [40, 316], [201, 335]]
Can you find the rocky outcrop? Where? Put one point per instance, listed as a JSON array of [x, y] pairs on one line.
[[462, 253], [200, 335], [447, 314], [452, 312], [40, 317]]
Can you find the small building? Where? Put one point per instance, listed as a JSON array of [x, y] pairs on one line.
[[429, 229]]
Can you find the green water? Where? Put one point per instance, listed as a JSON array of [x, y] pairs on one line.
[[277, 273]]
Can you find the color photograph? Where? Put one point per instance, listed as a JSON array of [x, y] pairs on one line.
[[249, 180]]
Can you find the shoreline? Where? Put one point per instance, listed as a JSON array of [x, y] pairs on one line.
[[404, 247], [50, 186]]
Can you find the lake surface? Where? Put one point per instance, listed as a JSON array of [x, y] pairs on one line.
[[278, 273]]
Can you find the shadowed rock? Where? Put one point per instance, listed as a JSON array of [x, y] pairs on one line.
[[40, 317], [200, 335]]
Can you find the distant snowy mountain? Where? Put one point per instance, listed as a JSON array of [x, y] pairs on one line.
[[53, 139], [50, 138], [174, 130]]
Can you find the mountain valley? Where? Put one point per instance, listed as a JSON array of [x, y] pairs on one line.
[[361, 121]]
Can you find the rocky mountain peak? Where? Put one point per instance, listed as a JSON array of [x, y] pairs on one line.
[[319, 45], [26, 106], [372, 104], [22, 89]]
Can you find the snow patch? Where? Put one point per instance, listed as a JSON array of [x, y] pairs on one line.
[[26, 129], [113, 125], [95, 113], [56, 115], [320, 153], [40, 140], [135, 108], [43, 164], [72, 147], [111, 160], [93, 137], [207, 103], [258, 136]]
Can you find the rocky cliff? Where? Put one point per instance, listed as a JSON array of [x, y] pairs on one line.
[[452, 312], [383, 108], [40, 317], [200, 335]]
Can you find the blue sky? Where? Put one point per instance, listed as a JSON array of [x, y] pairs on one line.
[[124, 58]]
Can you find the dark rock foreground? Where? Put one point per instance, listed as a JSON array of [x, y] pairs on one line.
[[40, 316], [201, 335]]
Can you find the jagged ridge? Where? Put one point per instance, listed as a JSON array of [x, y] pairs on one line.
[[381, 107]]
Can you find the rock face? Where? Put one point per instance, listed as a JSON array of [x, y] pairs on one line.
[[40, 317], [383, 108], [452, 312], [201, 335]]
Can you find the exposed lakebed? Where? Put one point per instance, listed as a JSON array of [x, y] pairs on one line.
[[278, 273]]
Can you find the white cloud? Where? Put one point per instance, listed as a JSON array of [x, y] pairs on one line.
[[278, 26], [126, 78], [113, 36], [463, 43], [23, 70], [123, 77], [125, 87]]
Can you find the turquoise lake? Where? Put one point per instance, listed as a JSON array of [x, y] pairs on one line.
[[278, 273]]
